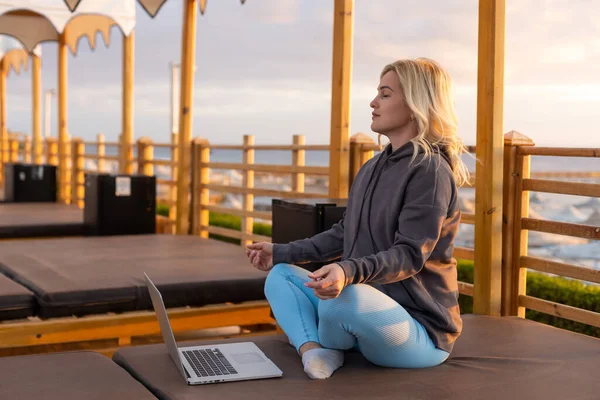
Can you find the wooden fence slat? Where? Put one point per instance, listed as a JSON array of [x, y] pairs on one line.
[[560, 310], [284, 147], [562, 269], [559, 187], [262, 192], [560, 152], [298, 161], [466, 288], [247, 227], [240, 213], [464, 253], [233, 233], [270, 168], [561, 228], [467, 218]]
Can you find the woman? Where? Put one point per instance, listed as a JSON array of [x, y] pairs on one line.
[[393, 294]]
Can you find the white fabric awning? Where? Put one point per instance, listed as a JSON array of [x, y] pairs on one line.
[[13, 55], [152, 7], [36, 21]]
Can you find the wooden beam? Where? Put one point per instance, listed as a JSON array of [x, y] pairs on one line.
[[186, 103], [3, 132], [36, 87], [126, 166], [135, 323], [63, 133], [488, 196], [517, 169], [339, 151]]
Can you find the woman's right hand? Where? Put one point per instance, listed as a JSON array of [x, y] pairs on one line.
[[260, 255]]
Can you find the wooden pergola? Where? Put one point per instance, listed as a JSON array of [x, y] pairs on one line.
[[36, 21], [340, 103], [15, 58], [489, 145]]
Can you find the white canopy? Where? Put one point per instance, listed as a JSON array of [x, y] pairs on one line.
[[152, 7], [14, 55], [36, 21]]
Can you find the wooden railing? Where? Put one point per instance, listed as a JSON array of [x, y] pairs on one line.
[[201, 184], [515, 297], [518, 182]]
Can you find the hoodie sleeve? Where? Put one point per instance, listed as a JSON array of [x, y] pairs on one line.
[[426, 202], [324, 246]]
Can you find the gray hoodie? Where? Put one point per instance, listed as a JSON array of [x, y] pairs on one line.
[[397, 235]]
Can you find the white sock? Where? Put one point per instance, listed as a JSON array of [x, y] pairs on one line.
[[321, 363]]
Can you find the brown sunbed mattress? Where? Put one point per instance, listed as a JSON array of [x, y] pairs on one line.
[[79, 375], [16, 301], [77, 276], [23, 220], [495, 358]]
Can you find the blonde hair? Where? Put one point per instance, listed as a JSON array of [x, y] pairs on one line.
[[429, 93]]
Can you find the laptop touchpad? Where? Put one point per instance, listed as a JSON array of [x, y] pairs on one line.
[[247, 358]]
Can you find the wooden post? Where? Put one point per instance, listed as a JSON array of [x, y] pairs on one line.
[[36, 87], [51, 151], [516, 207], [339, 157], [27, 150], [126, 164], [100, 151], [173, 188], [186, 104], [14, 150], [298, 160], [488, 193], [200, 195], [248, 183], [145, 153], [358, 155], [63, 178], [4, 151], [77, 172]]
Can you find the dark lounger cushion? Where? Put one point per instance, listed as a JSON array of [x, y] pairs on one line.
[[22, 220], [495, 358], [78, 375], [15, 300], [77, 276]]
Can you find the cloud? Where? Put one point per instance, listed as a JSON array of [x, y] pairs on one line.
[[563, 54], [265, 68], [280, 12]]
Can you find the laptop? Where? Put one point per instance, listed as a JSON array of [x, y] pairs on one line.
[[200, 365]]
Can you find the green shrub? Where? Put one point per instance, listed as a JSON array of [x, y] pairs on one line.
[[162, 209], [234, 222], [552, 288]]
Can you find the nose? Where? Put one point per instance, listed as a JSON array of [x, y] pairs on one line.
[[373, 104]]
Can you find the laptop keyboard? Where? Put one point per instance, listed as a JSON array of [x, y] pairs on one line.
[[209, 362]]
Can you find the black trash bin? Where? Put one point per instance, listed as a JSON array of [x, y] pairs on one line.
[[295, 219], [119, 204], [27, 183]]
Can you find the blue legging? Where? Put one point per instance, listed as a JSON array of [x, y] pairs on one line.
[[361, 316]]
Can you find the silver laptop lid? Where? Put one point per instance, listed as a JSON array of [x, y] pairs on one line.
[[165, 326]]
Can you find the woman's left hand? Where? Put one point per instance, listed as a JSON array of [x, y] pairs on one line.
[[328, 281]]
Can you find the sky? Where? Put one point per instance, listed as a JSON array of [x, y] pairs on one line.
[[264, 69]]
